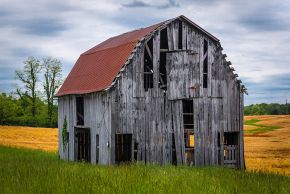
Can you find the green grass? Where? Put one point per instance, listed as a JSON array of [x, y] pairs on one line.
[[259, 128], [30, 171]]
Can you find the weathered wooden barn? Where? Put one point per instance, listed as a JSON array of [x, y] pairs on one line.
[[161, 94]]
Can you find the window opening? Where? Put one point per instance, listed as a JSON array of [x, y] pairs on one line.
[[205, 64], [80, 110], [163, 39], [148, 65], [162, 71]]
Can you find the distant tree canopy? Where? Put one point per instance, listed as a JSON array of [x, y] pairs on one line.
[[18, 111], [34, 104], [267, 109]]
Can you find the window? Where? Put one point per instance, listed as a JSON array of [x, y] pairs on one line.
[[148, 65], [80, 110], [180, 35], [205, 64]]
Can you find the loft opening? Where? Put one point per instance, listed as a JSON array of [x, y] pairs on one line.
[[162, 60], [163, 39], [80, 110], [205, 63], [148, 65], [188, 124]]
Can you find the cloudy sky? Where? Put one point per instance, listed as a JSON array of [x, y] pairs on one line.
[[255, 35]]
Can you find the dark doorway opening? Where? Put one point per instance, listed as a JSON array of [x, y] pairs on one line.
[[231, 149], [123, 148], [188, 123], [83, 144], [80, 110], [173, 148], [97, 148]]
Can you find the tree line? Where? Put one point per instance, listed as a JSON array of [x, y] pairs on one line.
[[267, 109], [33, 104]]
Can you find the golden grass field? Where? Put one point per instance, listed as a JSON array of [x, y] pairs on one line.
[[269, 151], [264, 151]]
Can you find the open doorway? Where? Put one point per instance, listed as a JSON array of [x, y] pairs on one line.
[[231, 149], [188, 124], [83, 144], [123, 148]]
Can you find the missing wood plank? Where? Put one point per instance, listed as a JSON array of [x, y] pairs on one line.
[[180, 29]]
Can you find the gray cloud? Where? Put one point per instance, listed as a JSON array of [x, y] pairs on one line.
[[142, 4], [44, 27], [136, 3]]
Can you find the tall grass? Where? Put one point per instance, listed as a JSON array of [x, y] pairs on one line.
[[28, 171]]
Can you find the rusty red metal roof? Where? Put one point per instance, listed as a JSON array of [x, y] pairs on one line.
[[96, 68]]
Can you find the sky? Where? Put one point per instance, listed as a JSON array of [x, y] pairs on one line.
[[255, 35]]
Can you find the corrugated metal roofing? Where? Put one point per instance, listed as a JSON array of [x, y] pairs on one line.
[[96, 68]]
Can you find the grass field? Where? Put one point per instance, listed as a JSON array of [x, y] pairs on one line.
[[32, 171], [267, 142]]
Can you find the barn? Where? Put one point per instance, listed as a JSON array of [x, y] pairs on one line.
[[163, 94]]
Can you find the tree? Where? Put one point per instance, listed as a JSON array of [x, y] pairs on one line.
[[30, 76], [52, 80]]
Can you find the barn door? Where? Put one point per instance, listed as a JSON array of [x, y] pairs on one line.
[[183, 75], [123, 148], [83, 144]]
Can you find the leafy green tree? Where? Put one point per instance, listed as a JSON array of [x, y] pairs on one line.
[[52, 80], [29, 76]]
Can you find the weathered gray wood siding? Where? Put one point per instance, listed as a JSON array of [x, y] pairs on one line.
[[152, 116], [66, 109], [97, 117]]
